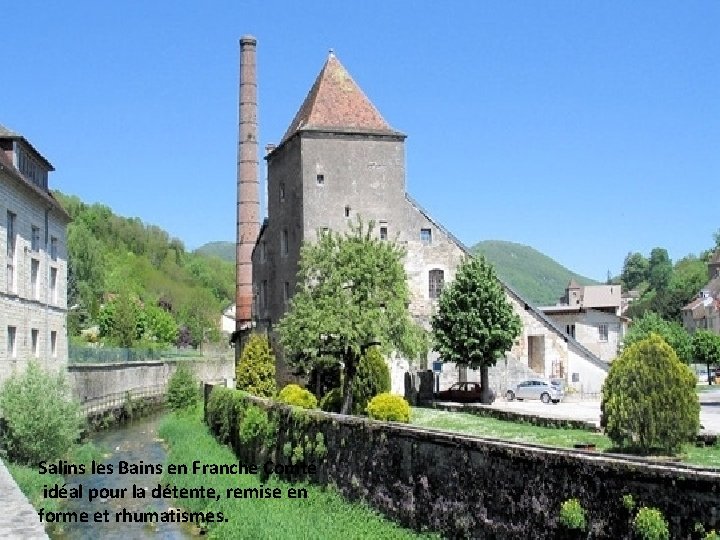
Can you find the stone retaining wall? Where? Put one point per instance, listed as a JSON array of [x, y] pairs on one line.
[[94, 382], [468, 487]]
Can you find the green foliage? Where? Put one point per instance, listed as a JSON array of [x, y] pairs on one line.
[[389, 407], [160, 326], [648, 400], [352, 292], [572, 515], [221, 249], [673, 334], [650, 524], [111, 254], [540, 279], [255, 372], [43, 421], [706, 348], [293, 394], [222, 408], [372, 378], [634, 271], [325, 375], [332, 401], [256, 427], [712, 535], [475, 324], [183, 389], [628, 502]]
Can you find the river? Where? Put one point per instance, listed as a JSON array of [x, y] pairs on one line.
[[131, 442]]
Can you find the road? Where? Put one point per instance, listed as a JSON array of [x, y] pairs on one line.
[[589, 411]]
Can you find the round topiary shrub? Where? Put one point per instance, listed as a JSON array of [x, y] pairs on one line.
[[372, 378], [649, 524], [183, 389], [572, 515], [649, 402], [255, 372], [42, 420], [389, 407], [332, 401], [293, 394]]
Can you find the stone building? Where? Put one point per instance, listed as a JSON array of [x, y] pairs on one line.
[[703, 312], [592, 315], [33, 278], [339, 158]]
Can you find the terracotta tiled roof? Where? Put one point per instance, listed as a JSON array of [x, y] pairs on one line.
[[336, 102]]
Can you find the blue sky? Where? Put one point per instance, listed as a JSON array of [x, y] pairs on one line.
[[583, 129]]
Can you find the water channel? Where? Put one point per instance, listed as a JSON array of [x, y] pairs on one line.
[[131, 442]]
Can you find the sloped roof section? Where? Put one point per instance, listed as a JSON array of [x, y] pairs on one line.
[[336, 103]]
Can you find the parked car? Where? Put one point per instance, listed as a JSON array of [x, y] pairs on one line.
[[545, 391], [462, 392]]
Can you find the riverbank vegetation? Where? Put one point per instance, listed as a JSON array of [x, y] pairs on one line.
[[323, 514]]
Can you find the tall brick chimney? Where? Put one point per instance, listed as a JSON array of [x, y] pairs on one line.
[[248, 186]]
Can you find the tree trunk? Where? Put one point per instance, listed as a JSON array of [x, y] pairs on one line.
[[486, 395], [350, 368], [708, 373]]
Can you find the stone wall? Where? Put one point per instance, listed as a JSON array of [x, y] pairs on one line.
[[92, 382], [466, 487]]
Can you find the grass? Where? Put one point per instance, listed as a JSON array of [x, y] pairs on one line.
[[515, 431], [324, 514]]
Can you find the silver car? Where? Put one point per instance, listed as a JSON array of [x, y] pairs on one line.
[[545, 391]]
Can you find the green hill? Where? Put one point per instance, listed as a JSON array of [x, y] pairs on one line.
[[540, 279], [142, 269], [222, 250]]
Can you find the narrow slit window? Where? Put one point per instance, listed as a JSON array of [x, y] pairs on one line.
[[320, 179]]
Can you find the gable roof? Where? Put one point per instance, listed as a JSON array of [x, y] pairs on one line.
[[336, 103], [6, 133], [589, 355]]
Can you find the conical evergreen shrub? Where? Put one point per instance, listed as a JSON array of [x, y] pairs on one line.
[[649, 402], [255, 372]]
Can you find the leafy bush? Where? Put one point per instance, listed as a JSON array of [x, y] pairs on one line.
[[372, 378], [255, 372], [42, 419], [183, 389], [649, 524], [160, 325], [293, 394], [572, 515], [712, 535], [628, 502], [332, 401], [257, 427], [222, 411], [648, 400], [389, 407]]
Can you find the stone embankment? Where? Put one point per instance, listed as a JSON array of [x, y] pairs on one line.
[[18, 518]]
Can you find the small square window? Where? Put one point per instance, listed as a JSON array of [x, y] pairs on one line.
[[383, 233], [426, 236], [320, 179], [575, 377]]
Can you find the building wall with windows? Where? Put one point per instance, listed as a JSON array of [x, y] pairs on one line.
[[598, 331], [33, 276]]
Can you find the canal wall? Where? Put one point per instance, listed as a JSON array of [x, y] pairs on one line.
[[471, 487], [103, 387], [18, 518]]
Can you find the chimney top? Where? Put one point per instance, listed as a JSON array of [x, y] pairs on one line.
[[247, 39]]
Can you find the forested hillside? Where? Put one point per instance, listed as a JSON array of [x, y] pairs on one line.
[[137, 284], [540, 279], [222, 249]]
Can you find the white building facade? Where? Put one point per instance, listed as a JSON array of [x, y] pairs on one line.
[[33, 276]]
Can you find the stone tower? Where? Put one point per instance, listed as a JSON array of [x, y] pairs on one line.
[[248, 188]]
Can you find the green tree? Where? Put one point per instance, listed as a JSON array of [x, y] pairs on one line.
[[706, 349], [183, 389], [635, 270], [674, 334], [41, 418], [475, 324], [648, 399], [255, 372], [659, 269], [159, 325], [373, 378], [352, 293]]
